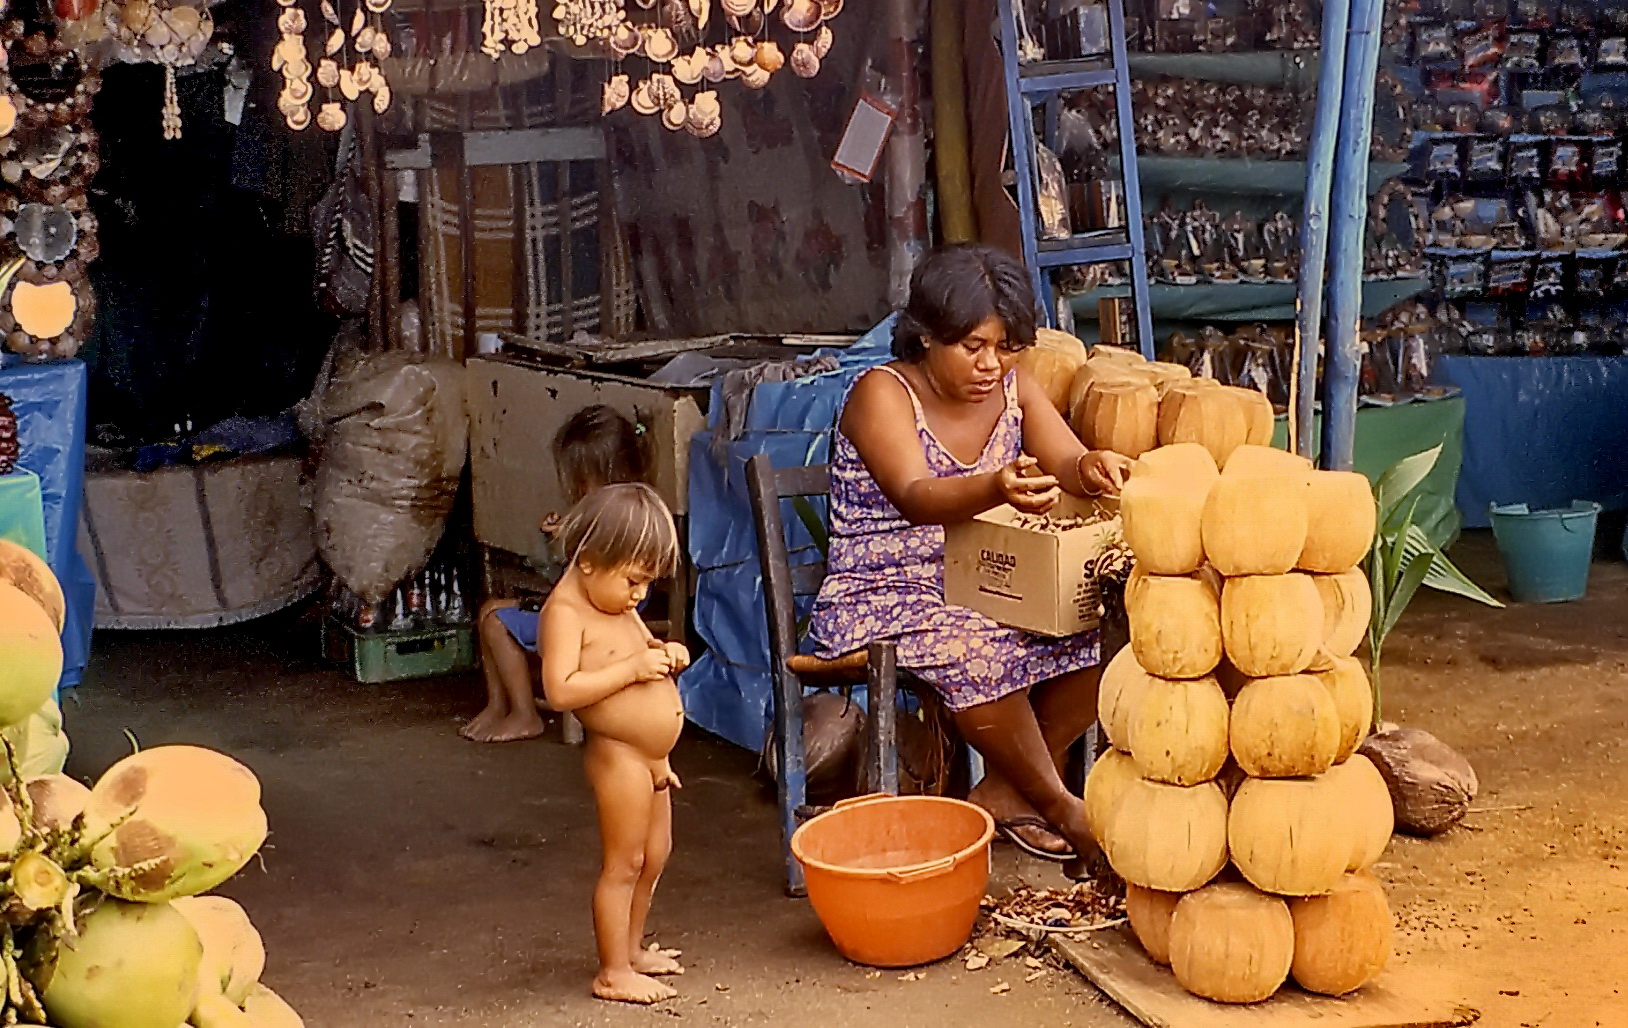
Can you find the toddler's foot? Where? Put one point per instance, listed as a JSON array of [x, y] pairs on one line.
[[631, 987], [511, 727], [656, 960]]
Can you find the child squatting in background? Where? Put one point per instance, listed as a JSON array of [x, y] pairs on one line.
[[600, 661], [596, 447]]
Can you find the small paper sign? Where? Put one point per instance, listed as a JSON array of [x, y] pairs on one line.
[[863, 139]]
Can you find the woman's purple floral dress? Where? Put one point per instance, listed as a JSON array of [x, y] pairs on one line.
[[886, 581]]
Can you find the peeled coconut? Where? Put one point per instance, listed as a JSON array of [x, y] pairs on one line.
[[1348, 603], [1109, 775], [1175, 623], [1184, 461], [266, 1009], [192, 813], [1179, 734], [1255, 524], [23, 568], [1285, 727], [1162, 517], [234, 956], [134, 965], [1290, 836], [1341, 520], [1368, 804], [33, 654], [1231, 943], [1150, 911], [1271, 624], [1168, 837], [1353, 698], [1052, 362], [1250, 461], [1119, 696], [1342, 941]]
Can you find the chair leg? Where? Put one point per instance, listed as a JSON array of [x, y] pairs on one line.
[[793, 786], [882, 681]]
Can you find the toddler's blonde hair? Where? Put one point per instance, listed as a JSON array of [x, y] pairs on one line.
[[621, 525]]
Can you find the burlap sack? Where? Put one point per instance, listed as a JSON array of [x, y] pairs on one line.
[[391, 438]]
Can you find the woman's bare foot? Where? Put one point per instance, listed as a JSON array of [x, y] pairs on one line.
[[1010, 809], [631, 987], [511, 727], [656, 960]]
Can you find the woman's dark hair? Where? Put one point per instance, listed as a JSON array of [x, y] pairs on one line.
[[956, 287], [599, 447]]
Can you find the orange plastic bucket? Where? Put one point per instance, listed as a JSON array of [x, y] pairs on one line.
[[896, 880]]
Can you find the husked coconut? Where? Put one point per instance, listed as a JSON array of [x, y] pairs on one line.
[[1255, 525], [1285, 727], [1149, 912], [1179, 733], [1167, 837], [1231, 943], [1341, 520], [1271, 624], [1175, 623], [1342, 941], [1290, 836]]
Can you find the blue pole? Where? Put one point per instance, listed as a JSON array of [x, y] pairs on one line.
[[1308, 327], [1349, 202]]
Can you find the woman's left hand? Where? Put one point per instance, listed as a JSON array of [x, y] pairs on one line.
[[1104, 471]]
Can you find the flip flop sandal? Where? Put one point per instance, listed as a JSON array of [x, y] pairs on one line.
[[1007, 829]]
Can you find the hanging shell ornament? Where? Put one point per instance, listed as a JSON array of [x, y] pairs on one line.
[[330, 13], [615, 95], [802, 15], [381, 97], [659, 45], [381, 46], [755, 77], [364, 39], [291, 22], [739, 8], [642, 101], [822, 42], [664, 90], [769, 57], [336, 42], [743, 52], [327, 73], [701, 10], [347, 84], [357, 21], [675, 115], [805, 61], [331, 117], [688, 68], [366, 76], [377, 6], [714, 70], [626, 40]]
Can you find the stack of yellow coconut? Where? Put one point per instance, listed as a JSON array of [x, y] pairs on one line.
[[1233, 802], [1118, 401], [102, 919]]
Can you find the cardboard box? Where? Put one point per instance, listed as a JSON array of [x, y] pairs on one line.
[[1026, 578]]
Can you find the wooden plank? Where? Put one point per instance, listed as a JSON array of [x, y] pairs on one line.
[[1114, 963]]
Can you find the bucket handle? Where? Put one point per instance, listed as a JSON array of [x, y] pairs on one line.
[[932, 870]]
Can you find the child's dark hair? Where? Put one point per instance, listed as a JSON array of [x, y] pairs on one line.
[[620, 525], [956, 287], [599, 446]]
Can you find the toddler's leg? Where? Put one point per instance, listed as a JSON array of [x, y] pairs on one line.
[[658, 846], [511, 713], [625, 797]]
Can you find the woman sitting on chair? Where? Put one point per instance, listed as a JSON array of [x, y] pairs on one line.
[[941, 434]]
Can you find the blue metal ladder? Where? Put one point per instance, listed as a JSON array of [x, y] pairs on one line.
[[1043, 82]]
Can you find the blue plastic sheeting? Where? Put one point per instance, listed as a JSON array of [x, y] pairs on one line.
[[729, 691], [1542, 431], [49, 400]]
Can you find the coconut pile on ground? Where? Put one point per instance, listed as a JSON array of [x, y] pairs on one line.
[[1234, 803], [103, 921]]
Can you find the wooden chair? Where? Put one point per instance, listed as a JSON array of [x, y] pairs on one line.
[[875, 666]]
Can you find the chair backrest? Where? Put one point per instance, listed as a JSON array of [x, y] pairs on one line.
[[782, 582]]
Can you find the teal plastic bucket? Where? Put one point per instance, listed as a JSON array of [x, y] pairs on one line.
[[1546, 552]]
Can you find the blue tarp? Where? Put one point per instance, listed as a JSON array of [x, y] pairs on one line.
[[1542, 431], [49, 400], [728, 691]]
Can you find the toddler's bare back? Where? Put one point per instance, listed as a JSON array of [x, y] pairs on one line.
[[647, 716]]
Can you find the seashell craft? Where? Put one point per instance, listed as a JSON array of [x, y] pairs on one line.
[[344, 55], [175, 35], [746, 52]]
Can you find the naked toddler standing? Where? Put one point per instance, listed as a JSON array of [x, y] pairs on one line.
[[600, 661]]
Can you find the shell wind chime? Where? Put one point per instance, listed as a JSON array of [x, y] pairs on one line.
[[173, 35], [344, 62]]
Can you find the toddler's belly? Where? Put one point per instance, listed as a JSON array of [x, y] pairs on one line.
[[647, 716]]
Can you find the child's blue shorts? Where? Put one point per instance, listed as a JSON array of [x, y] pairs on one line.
[[522, 624]]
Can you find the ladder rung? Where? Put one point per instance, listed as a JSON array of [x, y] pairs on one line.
[[1039, 81], [1054, 253]]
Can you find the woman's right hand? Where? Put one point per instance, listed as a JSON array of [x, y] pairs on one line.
[[1031, 494]]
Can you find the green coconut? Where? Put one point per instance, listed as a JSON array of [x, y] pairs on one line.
[[266, 1009], [38, 741], [33, 655], [57, 800], [173, 821], [133, 965], [234, 955]]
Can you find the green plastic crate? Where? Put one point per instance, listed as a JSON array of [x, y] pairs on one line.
[[385, 656]]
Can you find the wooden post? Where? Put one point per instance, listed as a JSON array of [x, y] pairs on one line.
[[1350, 209], [368, 150], [466, 227], [1314, 227], [950, 153]]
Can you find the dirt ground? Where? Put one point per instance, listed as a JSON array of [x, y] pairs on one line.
[[414, 878]]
